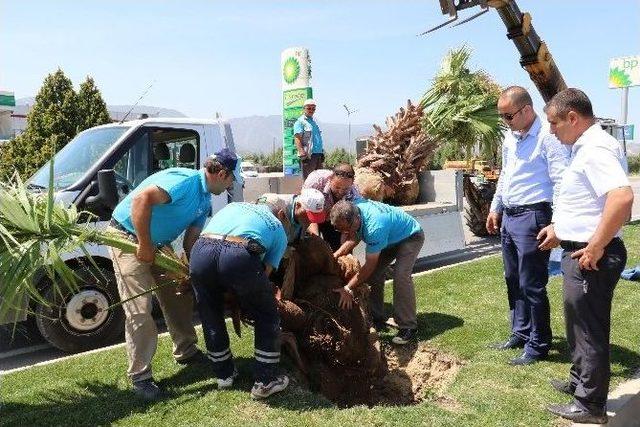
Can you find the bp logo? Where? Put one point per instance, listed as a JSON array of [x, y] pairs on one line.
[[619, 78], [291, 70]]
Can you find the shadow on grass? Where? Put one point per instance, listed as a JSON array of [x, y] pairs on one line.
[[628, 359], [432, 324]]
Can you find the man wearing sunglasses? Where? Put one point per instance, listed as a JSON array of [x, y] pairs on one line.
[[533, 162], [308, 140], [162, 207]]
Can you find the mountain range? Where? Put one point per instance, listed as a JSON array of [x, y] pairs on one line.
[[253, 134]]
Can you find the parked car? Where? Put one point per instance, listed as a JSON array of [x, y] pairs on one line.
[[248, 170]]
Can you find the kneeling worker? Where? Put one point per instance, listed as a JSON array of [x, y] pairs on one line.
[[389, 233], [162, 207], [237, 251]]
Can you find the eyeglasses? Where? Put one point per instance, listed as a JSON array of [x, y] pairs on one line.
[[509, 116]]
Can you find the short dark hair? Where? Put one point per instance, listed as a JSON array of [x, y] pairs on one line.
[[344, 170], [571, 99], [212, 165], [518, 95]]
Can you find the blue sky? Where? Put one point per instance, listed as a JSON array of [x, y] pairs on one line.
[[208, 56]]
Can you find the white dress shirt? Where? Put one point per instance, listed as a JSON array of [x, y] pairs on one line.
[[532, 167], [597, 166]]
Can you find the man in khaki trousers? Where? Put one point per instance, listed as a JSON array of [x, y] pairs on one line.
[[163, 206]]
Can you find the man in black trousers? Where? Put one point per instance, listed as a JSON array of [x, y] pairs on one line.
[[594, 202]]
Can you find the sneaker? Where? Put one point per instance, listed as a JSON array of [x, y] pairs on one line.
[[146, 389], [195, 359], [224, 383], [261, 391], [404, 336]]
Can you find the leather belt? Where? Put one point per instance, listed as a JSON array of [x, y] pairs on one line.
[[226, 238], [569, 245], [115, 224], [253, 246], [524, 208]]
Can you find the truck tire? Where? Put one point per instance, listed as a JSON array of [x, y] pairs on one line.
[[78, 320]]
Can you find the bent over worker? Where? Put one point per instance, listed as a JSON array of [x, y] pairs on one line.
[[390, 234], [237, 251], [162, 207]]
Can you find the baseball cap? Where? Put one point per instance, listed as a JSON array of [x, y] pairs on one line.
[[309, 102], [312, 201], [230, 161]]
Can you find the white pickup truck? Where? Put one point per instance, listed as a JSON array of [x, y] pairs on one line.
[[80, 320]]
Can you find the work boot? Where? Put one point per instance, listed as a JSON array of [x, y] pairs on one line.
[[224, 383], [146, 389]]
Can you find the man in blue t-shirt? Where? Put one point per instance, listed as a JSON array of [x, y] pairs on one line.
[[237, 251], [162, 207], [308, 139], [389, 233]]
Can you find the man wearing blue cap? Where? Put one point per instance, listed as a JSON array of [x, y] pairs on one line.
[[162, 207]]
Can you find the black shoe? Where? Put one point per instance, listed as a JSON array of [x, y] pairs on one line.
[[196, 358], [563, 386], [512, 342], [146, 389], [578, 415], [404, 336], [380, 326], [525, 359]]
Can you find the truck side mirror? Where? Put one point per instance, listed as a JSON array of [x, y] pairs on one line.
[[107, 196]]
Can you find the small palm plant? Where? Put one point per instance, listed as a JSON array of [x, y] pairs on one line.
[[460, 109], [35, 235]]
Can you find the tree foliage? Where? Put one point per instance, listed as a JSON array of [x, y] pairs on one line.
[[57, 115], [337, 156], [461, 110]]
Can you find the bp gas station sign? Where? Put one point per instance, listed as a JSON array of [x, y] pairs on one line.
[[624, 72], [296, 88]]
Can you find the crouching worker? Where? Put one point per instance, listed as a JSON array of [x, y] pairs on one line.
[[302, 210], [237, 251], [390, 234], [163, 206]]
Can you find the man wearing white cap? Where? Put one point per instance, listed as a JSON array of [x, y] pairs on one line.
[[308, 139], [301, 210]]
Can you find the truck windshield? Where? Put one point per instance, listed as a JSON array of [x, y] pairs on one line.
[[77, 157]]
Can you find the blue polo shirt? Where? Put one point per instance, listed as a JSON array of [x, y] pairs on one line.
[[189, 204], [252, 221], [310, 133], [382, 225]]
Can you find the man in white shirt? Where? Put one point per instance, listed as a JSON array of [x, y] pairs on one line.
[[593, 204], [532, 165]]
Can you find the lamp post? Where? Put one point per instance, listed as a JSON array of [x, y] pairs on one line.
[[349, 113]]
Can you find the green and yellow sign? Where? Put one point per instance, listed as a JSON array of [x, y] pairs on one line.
[[624, 72], [296, 88]]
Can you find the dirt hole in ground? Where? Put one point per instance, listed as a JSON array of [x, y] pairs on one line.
[[415, 372]]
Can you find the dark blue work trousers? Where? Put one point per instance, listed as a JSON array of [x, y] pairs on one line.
[[218, 266], [526, 271]]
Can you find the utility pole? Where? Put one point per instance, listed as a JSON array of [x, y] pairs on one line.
[[349, 113]]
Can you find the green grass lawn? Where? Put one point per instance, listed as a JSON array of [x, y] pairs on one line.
[[461, 311]]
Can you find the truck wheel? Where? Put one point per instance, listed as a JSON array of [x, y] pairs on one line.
[[78, 320]]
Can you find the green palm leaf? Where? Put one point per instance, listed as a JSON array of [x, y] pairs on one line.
[[460, 109], [36, 232]]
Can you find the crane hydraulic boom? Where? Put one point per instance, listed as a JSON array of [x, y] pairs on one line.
[[535, 57]]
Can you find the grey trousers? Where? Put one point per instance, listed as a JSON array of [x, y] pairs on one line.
[[587, 296], [141, 334], [405, 254], [312, 163]]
